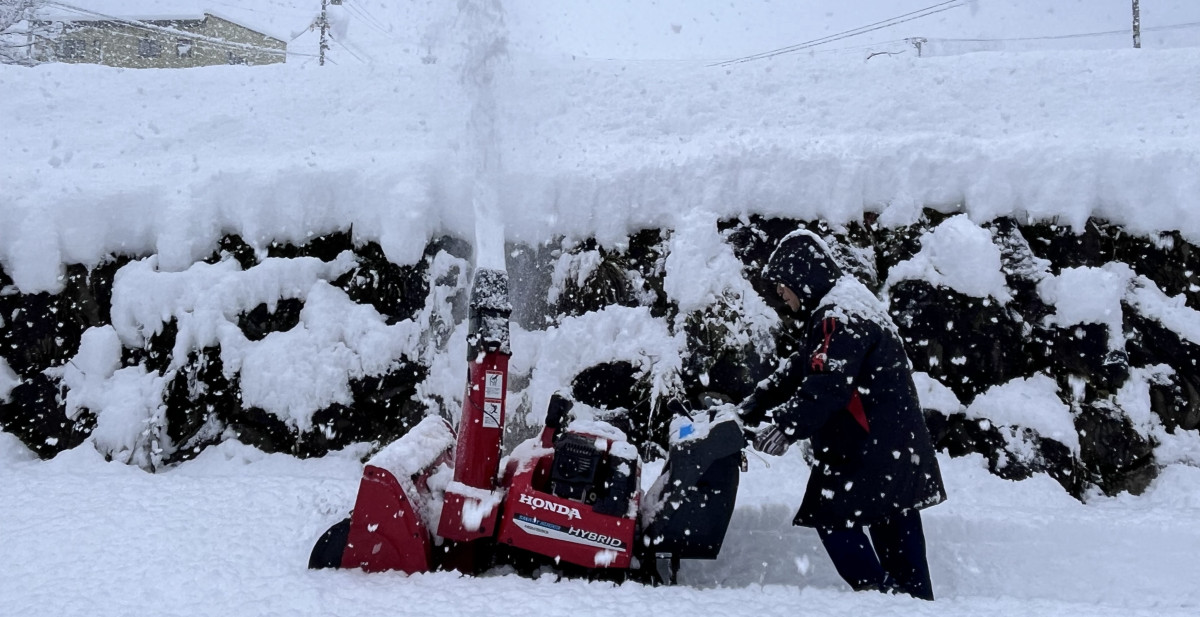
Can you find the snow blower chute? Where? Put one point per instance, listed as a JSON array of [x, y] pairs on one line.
[[436, 499]]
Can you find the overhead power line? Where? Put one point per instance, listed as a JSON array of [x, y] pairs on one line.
[[363, 19], [1190, 24], [366, 15], [1081, 35], [879, 25], [349, 50], [354, 50]]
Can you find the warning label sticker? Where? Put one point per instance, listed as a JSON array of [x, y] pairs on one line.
[[493, 385], [491, 414]]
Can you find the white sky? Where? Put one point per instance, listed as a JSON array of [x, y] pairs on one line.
[[723, 28], [673, 29]]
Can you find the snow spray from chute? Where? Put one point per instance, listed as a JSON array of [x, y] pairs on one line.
[[486, 46], [470, 506], [395, 515]]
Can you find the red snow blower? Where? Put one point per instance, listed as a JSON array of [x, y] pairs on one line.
[[437, 500]]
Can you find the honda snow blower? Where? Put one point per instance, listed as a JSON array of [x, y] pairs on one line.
[[435, 499]]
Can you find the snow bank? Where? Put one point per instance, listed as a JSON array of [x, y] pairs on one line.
[[1032, 403], [1172, 312], [936, 396], [552, 358], [960, 255], [8, 380], [1089, 295], [290, 374], [418, 449], [702, 271], [12, 451]]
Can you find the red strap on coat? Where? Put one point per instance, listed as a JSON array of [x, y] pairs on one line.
[[828, 325], [856, 409]]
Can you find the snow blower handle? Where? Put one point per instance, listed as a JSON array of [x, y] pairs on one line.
[[556, 418], [677, 408]]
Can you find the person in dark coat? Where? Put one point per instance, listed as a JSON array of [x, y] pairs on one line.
[[850, 392]]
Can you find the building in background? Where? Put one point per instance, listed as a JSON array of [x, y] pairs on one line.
[[158, 43]]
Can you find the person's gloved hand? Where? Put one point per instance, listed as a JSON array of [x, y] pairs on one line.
[[770, 440], [748, 410]]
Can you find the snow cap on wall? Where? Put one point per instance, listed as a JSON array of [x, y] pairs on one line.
[[960, 255]]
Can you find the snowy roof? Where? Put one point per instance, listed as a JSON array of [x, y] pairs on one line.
[[281, 19]]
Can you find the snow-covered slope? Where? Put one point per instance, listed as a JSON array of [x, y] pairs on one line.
[[96, 161]]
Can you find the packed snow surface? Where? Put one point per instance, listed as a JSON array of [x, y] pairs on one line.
[[228, 534]]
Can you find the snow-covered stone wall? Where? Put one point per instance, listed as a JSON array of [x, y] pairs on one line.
[[1046, 349]]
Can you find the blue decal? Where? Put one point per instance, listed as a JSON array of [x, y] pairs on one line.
[[533, 521]]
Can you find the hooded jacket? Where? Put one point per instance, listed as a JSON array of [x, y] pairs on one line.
[[850, 391]]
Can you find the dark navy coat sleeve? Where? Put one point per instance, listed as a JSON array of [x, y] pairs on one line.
[[774, 390]]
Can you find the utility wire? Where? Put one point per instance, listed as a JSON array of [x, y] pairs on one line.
[[845, 36], [362, 11], [931, 10], [879, 25], [349, 50], [1191, 24], [354, 50], [861, 47], [363, 18], [1073, 36]]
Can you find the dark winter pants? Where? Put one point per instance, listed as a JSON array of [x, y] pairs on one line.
[[897, 560]]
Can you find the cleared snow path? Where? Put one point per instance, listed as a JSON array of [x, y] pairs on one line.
[[229, 534]]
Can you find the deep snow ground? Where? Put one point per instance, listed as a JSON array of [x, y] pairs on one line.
[[229, 534]]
